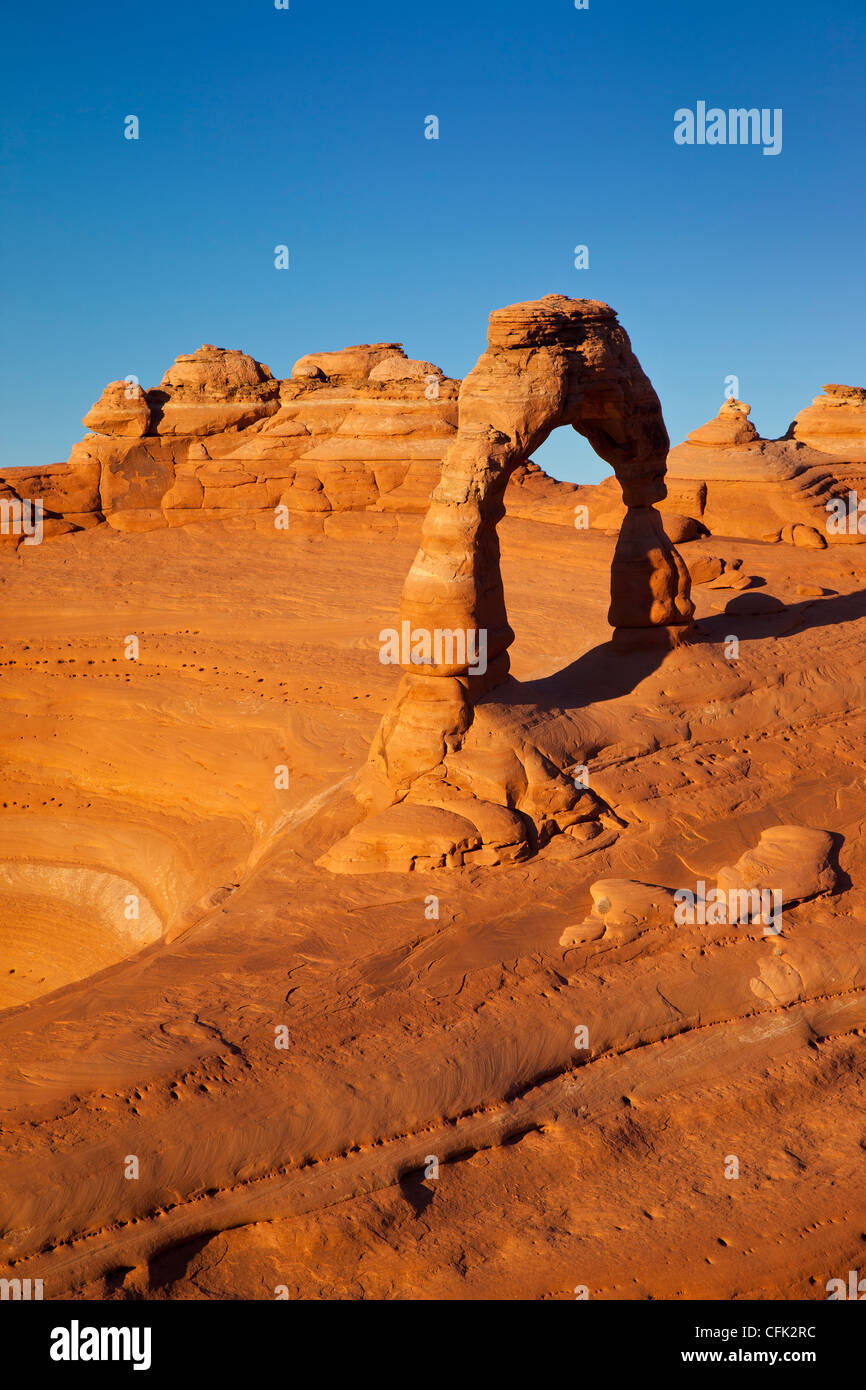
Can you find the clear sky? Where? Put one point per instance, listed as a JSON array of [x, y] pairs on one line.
[[305, 127]]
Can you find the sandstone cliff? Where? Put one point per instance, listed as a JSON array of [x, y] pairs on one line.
[[360, 430]]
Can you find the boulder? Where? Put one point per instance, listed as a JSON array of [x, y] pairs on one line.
[[354, 361], [122, 409], [754, 604], [809, 537], [622, 909], [794, 860], [399, 368], [704, 568], [211, 391], [680, 529]]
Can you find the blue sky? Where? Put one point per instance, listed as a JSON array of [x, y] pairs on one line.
[[305, 127]]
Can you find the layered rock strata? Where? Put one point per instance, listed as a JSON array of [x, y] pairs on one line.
[[364, 430], [360, 430]]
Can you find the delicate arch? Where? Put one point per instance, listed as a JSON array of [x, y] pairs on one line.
[[550, 362]]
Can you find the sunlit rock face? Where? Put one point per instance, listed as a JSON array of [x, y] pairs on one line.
[[529, 1002], [549, 362]]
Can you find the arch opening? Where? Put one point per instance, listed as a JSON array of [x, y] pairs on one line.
[[568, 457]]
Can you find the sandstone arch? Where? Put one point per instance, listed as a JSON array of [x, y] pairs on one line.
[[549, 362]]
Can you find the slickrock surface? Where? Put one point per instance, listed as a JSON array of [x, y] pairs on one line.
[[494, 1064], [412, 1034]]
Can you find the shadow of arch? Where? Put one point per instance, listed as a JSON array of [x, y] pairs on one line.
[[832, 610], [607, 673], [602, 673]]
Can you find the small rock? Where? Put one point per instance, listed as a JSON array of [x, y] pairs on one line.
[[680, 529], [705, 568], [810, 538], [622, 908]]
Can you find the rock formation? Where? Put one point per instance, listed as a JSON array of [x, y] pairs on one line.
[[790, 864], [165, 920], [361, 430], [835, 423], [354, 441], [122, 409], [735, 483], [726, 480], [794, 861], [622, 909], [549, 363]]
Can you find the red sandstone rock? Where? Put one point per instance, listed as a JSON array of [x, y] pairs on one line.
[[213, 390], [316, 446], [369, 434], [434, 1013], [794, 860], [835, 423], [705, 568], [730, 429], [809, 537], [549, 362], [399, 368], [754, 604], [622, 910], [348, 362], [680, 529], [649, 582], [747, 486], [122, 409]]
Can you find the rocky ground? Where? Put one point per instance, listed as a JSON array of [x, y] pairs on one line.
[[424, 1018]]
